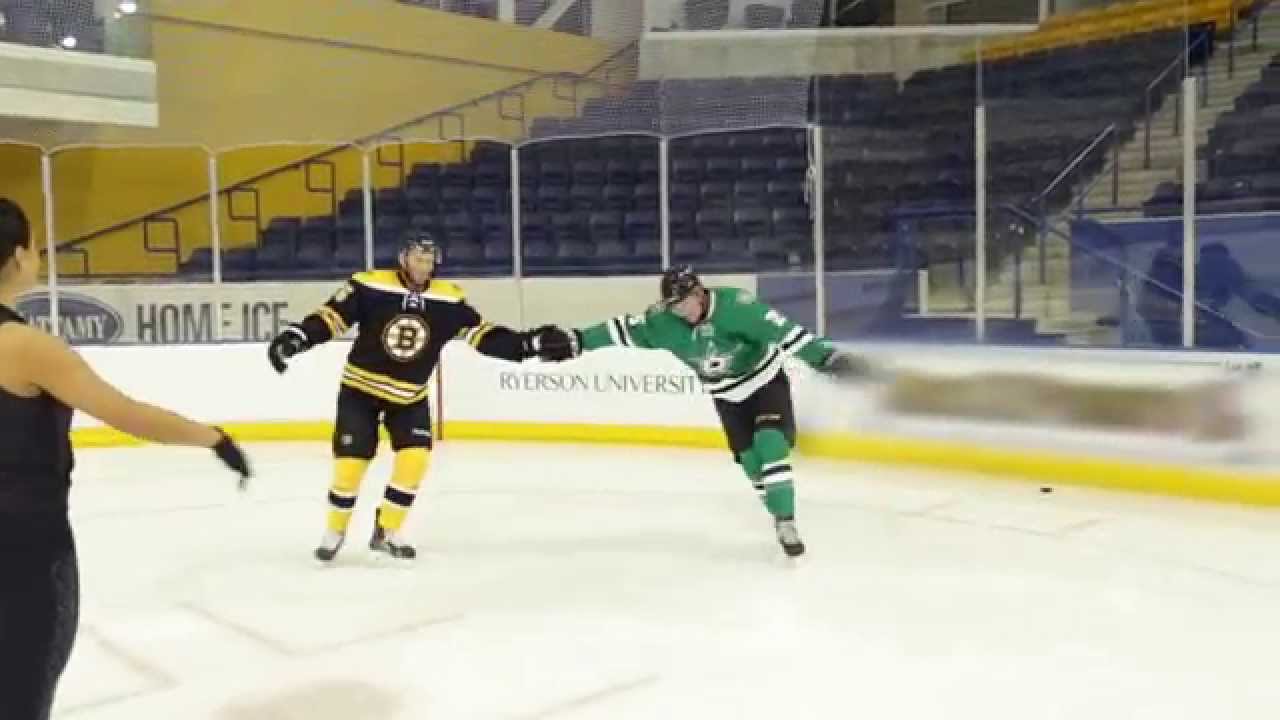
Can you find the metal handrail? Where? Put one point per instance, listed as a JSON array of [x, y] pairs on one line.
[[1075, 163]]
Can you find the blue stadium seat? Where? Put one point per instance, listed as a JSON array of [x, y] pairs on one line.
[[605, 226], [588, 172], [348, 258], [495, 227], [750, 193], [683, 225], [688, 249], [457, 175], [715, 224], [455, 199], [571, 226], [241, 264], [422, 199], [390, 202], [757, 167], [539, 253], [315, 257], [390, 228], [425, 223], [495, 173], [618, 197], [553, 172], [786, 193], [199, 264], [621, 172], [553, 198], [648, 170], [792, 220], [646, 196], [683, 196], [641, 225], [535, 227], [585, 197], [688, 170], [427, 174], [723, 169], [458, 228], [752, 222], [790, 168], [715, 195], [352, 203], [490, 200]]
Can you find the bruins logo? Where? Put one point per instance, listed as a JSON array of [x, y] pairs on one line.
[[406, 337]]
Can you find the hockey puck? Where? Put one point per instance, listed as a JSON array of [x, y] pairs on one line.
[[1046, 489]]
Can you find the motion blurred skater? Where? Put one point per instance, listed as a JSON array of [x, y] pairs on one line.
[[736, 345], [41, 381]]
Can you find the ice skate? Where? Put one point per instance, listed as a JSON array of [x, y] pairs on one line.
[[789, 538], [330, 544], [391, 544]]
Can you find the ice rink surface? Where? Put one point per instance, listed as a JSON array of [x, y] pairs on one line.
[[573, 582]]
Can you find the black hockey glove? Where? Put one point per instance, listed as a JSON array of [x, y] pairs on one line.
[[554, 344], [529, 342], [233, 457], [287, 344], [847, 367]]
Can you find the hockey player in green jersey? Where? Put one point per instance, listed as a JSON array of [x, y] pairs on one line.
[[736, 344]]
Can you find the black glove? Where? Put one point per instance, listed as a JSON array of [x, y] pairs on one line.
[[233, 457], [287, 344], [847, 366], [554, 344], [529, 340]]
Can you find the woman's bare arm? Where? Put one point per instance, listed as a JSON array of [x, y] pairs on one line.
[[50, 364]]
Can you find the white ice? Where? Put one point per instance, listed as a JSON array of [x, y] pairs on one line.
[[576, 582]]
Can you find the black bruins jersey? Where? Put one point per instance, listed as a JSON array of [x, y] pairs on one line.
[[401, 333]]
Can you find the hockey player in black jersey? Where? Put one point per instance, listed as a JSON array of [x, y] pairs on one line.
[[404, 318]]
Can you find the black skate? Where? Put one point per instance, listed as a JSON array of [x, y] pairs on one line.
[[391, 544], [330, 544], [789, 538]]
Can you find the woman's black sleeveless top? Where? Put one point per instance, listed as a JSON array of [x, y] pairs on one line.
[[35, 466]]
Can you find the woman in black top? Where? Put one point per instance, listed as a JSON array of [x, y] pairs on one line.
[[41, 382]]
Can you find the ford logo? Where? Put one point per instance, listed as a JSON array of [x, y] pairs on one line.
[[82, 320]]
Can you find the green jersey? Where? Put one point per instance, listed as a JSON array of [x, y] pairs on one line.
[[737, 348]]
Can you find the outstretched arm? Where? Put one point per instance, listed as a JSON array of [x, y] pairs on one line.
[[555, 344], [766, 324], [52, 366], [496, 341], [331, 320]]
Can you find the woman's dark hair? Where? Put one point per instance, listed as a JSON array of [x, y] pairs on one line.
[[15, 231]]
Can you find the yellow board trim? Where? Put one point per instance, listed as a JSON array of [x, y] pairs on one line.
[[1203, 483]]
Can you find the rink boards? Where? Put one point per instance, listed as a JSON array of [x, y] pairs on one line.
[[640, 397]]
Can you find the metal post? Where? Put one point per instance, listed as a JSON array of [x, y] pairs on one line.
[[817, 207], [1042, 236], [1115, 171], [215, 223], [980, 224], [664, 200], [517, 241], [1146, 134], [1189, 214], [215, 240], [51, 247], [366, 193]]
